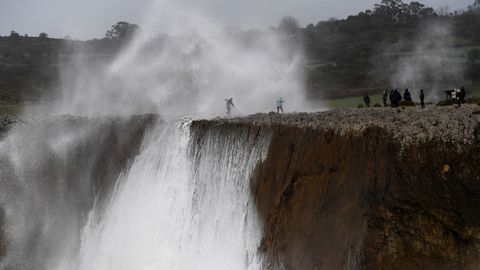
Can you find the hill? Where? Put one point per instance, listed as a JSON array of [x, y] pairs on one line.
[[393, 45]]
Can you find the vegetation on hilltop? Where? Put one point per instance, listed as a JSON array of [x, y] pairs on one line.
[[392, 45], [363, 51]]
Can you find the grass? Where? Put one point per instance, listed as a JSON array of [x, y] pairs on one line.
[[352, 102]]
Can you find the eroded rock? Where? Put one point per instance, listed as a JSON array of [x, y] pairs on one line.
[[369, 188]]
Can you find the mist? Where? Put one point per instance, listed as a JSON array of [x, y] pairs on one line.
[[428, 61], [188, 70]]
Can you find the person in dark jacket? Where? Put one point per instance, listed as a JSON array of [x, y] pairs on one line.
[[390, 96], [384, 98], [406, 95], [366, 99], [422, 98], [397, 97], [461, 96], [229, 105]]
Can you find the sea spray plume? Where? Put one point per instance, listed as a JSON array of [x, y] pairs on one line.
[[432, 64], [190, 71]]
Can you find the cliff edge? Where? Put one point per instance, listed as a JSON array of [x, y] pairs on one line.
[[372, 188]]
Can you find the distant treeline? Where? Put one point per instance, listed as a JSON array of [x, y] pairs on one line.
[[344, 53], [366, 52]]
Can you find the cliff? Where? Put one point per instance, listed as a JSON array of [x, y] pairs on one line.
[[376, 188], [368, 188]]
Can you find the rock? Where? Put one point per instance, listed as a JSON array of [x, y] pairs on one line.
[[367, 188]]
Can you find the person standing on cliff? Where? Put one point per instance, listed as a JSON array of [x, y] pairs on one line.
[[229, 103], [461, 96], [390, 96], [406, 95], [366, 99], [384, 97], [397, 97], [422, 98], [280, 102]]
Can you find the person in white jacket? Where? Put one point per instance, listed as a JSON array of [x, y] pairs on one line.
[[454, 95], [280, 102]]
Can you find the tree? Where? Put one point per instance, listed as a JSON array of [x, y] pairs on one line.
[[122, 30], [473, 55], [475, 6], [14, 34], [43, 35], [443, 11], [418, 10], [289, 25], [398, 12]]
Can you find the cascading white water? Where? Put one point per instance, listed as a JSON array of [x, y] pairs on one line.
[[182, 205], [50, 171]]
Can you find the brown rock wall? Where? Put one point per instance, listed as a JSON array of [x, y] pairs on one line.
[[314, 191], [368, 189], [365, 202]]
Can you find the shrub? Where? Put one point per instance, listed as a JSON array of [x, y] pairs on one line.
[[14, 34], [360, 106], [377, 105], [406, 103]]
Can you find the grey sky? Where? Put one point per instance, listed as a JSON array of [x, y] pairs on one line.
[[86, 19]]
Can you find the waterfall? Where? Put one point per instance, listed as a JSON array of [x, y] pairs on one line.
[[47, 173], [184, 202], [182, 205]]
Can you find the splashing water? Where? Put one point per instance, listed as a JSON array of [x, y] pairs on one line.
[[189, 72], [49, 170], [174, 211], [185, 202]]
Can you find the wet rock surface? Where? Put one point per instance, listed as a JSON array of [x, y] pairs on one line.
[[369, 188]]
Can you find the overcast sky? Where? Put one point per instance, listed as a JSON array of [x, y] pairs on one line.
[[85, 19]]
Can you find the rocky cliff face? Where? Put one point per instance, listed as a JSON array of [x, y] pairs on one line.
[[350, 189], [369, 189]]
